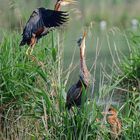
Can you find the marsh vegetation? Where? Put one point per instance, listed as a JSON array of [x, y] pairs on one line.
[[32, 97]]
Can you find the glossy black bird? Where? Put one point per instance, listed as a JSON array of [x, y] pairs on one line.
[[74, 94], [42, 21]]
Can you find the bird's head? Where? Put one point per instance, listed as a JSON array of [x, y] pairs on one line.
[[111, 112], [60, 3], [81, 40]]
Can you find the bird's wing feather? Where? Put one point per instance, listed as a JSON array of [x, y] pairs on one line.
[[52, 18], [73, 93], [34, 23], [42, 18]]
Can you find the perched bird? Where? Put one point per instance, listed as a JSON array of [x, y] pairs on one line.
[[74, 94], [42, 21], [115, 123]]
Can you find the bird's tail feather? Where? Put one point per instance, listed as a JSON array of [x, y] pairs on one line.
[[22, 43]]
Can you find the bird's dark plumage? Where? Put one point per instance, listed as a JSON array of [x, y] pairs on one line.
[[74, 95], [41, 22]]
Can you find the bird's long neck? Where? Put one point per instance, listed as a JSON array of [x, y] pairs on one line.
[[83, 67], [57, 7]]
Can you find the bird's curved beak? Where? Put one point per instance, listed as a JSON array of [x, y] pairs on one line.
[[108, 113], [104, 113]]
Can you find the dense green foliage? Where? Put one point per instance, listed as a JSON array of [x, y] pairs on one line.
[[33, 93], [33, 96]]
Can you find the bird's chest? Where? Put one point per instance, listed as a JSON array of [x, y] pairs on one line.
[[39, 31], [112, 121]]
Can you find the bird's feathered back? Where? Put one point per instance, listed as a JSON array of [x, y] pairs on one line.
[[74, 95], [41, 21]]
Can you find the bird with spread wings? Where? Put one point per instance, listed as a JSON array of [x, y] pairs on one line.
[[41, 22]]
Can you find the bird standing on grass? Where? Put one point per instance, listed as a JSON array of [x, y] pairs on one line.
[[42, 21], [74, 95], [115, 123]]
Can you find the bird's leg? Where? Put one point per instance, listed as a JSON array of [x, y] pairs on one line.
[[30, 50], [32, 44], [30, 53]]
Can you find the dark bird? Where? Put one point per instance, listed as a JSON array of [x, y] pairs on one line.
[[115, 123], [74, 94], [41, 22]]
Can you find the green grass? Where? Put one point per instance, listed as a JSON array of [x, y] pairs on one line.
[[32, 102], [32, 97], [109, 46]]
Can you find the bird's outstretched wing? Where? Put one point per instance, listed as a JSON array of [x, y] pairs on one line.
[[52, 18], [42, 20]]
